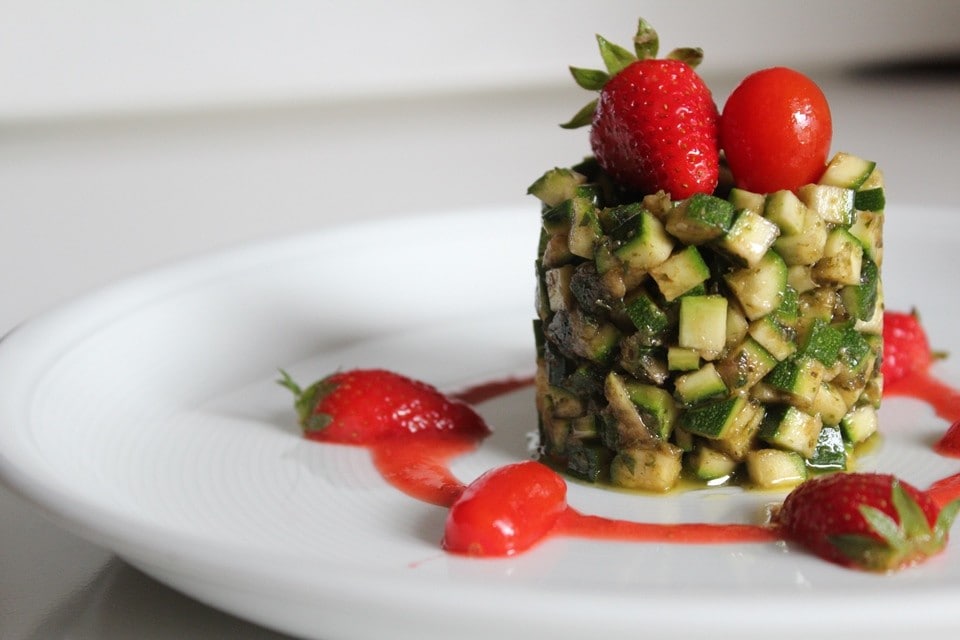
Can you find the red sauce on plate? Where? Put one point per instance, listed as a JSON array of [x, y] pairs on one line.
[[420, 468]]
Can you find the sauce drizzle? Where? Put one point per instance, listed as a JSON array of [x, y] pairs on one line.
[[420, 467]]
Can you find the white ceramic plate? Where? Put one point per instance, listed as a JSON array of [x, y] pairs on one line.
[[146, 418]]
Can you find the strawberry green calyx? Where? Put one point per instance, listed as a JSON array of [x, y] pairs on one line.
[[306, 401], [616, 58], [900, 541]]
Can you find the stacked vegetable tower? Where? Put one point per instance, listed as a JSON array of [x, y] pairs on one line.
[[707, 307]]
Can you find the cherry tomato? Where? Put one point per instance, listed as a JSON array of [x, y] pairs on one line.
[[775, 130], [506, 510]]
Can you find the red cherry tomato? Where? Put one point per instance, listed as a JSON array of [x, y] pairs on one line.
[[775, 131], [506, 510]]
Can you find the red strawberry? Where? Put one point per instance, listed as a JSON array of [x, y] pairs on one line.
[[655, 125], [906, 349], [866, 520], [363, 406]]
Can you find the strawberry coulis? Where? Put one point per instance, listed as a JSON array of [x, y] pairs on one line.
[[419, 466]]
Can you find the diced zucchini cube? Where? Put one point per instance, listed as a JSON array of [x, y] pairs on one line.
[[775, 468], [760, 288], [859, 424], [703, 324], [743, 199], [741, 438], [799, 277], [830, 453], [799, 378], [805, 247], [680, 359], [745, 365], [867, 227], [711, 465], [680, 273], [779, 340], [700, 385], [749, 238], [624, 427], [650, 468], [585, 228], [823, 342], [786, 427], [716, 419], [842, 259], [873, 200], [649, 246], [833, 204], [847, 170], [556, 185], [737, 326], [829, 404], [699, 219], [784, 209], [860, 300], [656, 407], [650, 320]]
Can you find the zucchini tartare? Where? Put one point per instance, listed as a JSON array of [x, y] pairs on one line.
[[728, 334]]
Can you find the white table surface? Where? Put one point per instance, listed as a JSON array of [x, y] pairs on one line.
[[85, 202]]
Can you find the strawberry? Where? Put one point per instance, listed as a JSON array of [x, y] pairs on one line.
[[870, 521], [364, 406], [654, 125], [906, 350]]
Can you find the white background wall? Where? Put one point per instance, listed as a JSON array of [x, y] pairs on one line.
[[93, 56]]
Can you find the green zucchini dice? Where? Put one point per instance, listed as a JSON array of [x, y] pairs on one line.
[[799, 379], [651, 321], [860, 300], [805, 247], [775, 468], [786, 427], [749, 238], [716, 419], [784, 209], [833, 204], [847, 170], [842, 259], [703, 324], [760, 289], [648, 246], [681, 359], [859, 424], [650, 468], [743, 199], [700, 385], [873, 200], [711, 465], [830, 452], [699, 219], [556, 185], [585, 228], [745, 365], [680, 273], [867, 227], [823, 342], [778, 339]]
